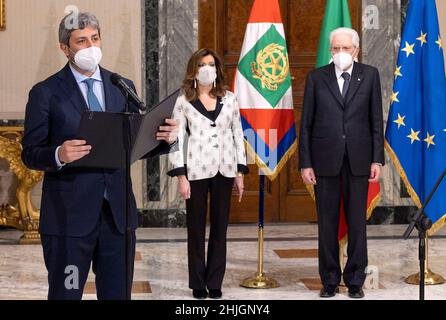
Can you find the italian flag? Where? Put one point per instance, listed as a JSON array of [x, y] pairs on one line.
[[263, 88], [337, 15]]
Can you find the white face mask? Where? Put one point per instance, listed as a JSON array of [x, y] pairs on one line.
[[343, 60], [206, 75], [88, 59]]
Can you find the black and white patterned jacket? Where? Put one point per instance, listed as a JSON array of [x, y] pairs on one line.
[[215, 142]]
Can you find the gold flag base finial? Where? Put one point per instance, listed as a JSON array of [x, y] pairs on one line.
[[430, 278], [260, 281]]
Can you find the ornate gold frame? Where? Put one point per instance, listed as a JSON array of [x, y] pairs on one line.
[[2, 14], [22, 216]]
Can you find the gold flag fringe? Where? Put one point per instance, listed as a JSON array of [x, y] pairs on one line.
[[440, 222], [259, 162]]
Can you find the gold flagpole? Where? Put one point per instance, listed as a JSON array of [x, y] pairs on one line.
[[430, 277], [260, 281]]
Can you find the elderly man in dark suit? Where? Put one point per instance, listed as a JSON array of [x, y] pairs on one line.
[[341, 148], [82, 209]]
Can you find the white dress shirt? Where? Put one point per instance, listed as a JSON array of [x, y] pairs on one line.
[[98, 85], [339, 77], [98, 89]]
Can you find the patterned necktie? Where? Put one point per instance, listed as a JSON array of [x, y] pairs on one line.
[[93, 102], [346, 77]]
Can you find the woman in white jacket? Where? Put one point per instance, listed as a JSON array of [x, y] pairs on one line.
[[214, 161]]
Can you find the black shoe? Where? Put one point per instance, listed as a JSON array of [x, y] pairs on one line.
[[328, 291], [215, 293], [200, 293], [355, 292]]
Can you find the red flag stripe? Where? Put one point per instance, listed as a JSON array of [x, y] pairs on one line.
[[279, 119], [374, 190], [265, 11]]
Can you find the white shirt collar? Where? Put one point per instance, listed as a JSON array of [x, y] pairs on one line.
[[80, 77], [339, 72]]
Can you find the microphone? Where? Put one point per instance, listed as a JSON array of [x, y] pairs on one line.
[[118, 81]]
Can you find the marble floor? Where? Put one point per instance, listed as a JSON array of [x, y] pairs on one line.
[[290, 257]]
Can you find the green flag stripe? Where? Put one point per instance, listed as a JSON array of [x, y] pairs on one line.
[[266, 66], [336, 15]]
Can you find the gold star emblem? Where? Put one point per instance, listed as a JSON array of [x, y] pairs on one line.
[[397, 72], [408, 49], [400, 121], [440, 44], [413, 136], [429, 140], [394, 97], [422, 38]]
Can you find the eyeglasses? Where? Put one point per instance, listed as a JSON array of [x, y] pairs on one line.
[[344, 49]]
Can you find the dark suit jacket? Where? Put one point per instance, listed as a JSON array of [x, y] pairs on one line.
[[330, 127], [72, 197]]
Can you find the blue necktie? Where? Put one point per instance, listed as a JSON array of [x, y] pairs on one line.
[[93, 102], [94, 105]]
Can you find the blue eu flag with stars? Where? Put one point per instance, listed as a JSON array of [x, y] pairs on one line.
[[416, 125]]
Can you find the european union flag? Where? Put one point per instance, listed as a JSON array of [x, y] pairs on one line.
[[416, 126]]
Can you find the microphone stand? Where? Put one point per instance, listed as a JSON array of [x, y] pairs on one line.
[[128, 238], [128, 230], [128, 93], [422, 223]]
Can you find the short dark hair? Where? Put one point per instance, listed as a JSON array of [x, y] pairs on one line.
[[76, 21]]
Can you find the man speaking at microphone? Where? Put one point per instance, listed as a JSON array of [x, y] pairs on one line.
[[82, 210]]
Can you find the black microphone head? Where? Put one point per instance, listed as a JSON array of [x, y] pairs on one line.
[[115, 78]]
